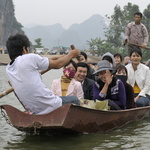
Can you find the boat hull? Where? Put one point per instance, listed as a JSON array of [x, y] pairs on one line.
[[73, 119]]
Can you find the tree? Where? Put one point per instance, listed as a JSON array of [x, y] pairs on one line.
[[118, 22], [96, 45], [100, 47], [38, 42], [116, 30], [146, 18], [146, 22], [128, 13]]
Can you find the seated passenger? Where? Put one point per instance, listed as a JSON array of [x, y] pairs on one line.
[[118, 60], [126, 60], [81, 76], [139, 79], [109, 57], [83, 58], [67, 85], [122, 75], [109, 87]]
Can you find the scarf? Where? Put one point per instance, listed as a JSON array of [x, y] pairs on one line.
[[65, 84]]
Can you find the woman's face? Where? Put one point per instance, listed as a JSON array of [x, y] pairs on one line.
[[135, 58], [69, 71], [70, 67], [121, 72], [82, 59], [122, 75], [103, 74]]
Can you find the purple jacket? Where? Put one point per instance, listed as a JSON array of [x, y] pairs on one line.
[[116, 92]]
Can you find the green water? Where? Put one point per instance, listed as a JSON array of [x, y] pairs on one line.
[[134, 136]]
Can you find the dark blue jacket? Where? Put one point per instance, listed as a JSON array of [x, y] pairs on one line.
[[116, 92]]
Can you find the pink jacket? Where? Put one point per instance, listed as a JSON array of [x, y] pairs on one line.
[[74, 89]]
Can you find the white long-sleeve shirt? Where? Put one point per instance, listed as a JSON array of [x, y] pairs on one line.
[[141, 76]]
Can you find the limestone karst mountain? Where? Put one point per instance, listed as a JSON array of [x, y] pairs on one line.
[[8, 23], [77, 34]]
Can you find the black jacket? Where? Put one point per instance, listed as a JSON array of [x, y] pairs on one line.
[[88, 88]]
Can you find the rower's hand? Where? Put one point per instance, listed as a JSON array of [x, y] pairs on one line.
[[136, 98], [143, 46], [75, 52], [125, 42]]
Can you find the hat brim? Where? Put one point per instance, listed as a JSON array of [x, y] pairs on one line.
[[102, 69]]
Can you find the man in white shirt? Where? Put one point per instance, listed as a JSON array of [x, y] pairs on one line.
[[23, 73]]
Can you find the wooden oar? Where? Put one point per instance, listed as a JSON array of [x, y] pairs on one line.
[[6, 92], [138, 45], [11, 89], [3, 63]]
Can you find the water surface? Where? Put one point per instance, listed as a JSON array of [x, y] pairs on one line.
[[134, 136]]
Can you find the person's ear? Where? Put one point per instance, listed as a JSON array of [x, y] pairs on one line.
[[25, 51]]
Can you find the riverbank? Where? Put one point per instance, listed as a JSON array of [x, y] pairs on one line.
[[4, 58]]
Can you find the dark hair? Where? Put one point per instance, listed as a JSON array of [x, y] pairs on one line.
[[122, 67], [108, 58], [138, 13], [119, 55], [71, 62], [137, 51], [84, 54], [84, 65], [15, 45]]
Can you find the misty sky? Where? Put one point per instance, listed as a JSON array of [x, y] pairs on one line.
[[66, 12]]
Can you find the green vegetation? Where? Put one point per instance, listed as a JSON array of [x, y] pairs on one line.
[[18, 26], [38, 44], [115, 32], [8, 23]]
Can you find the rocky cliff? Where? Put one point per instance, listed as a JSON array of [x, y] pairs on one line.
[[8, 22]]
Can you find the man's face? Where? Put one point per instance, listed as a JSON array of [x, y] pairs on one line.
[[81, 74], [137, 19], [117, 60]]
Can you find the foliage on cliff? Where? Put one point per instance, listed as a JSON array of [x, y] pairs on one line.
[[8, 23]]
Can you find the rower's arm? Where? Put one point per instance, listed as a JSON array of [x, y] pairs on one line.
[[60, 62]]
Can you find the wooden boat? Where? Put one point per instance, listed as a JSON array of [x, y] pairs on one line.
[[72, 119]]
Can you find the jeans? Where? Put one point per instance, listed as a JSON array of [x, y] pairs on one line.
[[143, 101], [70, 99]]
